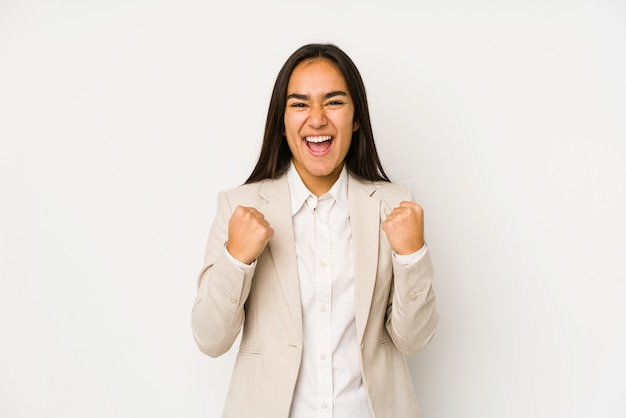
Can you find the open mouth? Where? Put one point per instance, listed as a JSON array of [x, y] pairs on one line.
[[319, 144]]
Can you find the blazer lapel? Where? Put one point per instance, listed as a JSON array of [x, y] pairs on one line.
[[277, 211], [365, 223]]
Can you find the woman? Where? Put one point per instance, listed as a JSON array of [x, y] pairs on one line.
[[319, 258]]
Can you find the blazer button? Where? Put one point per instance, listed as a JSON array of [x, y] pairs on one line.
[[232, 298], [413, 295]]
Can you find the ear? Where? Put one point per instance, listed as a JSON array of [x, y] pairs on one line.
[[355, 126]]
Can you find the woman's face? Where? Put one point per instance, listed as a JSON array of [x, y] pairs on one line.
[[319, 122]]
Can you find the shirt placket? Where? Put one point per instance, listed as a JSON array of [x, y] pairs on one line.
[[323, 296]]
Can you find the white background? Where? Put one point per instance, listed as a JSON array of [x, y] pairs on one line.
[[121, 120]]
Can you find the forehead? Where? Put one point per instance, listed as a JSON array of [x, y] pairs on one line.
[[317, 73]]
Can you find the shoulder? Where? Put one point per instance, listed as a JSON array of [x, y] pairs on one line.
[[388, 194], [391, 194], [252, 193], [243, 191], [392, 189], [386, 191]]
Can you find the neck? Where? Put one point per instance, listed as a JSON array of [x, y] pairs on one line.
[[319, 185]]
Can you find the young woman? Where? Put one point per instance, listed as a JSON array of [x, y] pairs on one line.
[[319, 258]]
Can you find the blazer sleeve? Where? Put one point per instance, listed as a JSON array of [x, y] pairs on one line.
[[223, 287], [411, 312]]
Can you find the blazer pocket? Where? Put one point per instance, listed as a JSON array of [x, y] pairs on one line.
[[385, 342], [248, 352]]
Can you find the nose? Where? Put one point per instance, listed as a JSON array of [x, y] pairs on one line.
[[317, 117]]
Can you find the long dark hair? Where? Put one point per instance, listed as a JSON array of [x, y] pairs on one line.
[[362, 158]]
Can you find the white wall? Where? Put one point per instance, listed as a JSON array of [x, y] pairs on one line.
[[120, 122]]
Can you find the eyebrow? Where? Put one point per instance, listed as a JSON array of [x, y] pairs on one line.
[[326, 96]]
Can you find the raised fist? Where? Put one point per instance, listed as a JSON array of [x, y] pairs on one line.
[[405, 228], [248, 234]]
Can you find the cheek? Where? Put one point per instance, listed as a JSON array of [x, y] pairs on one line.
[[348, 126], [347, 121], [293, 141], [294, 120]]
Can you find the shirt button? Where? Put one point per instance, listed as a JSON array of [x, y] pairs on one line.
[[323, 264], [413, 295], [323, 308], [324, 406], [323, 356]]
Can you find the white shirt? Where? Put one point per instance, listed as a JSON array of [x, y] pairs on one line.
[[329, 383]]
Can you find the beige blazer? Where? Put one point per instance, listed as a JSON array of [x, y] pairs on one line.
[[395, 304]]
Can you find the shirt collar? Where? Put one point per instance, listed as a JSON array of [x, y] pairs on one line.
[[300, 193]]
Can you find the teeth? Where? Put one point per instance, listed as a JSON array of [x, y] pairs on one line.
[[318, 138]]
